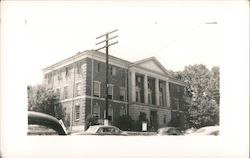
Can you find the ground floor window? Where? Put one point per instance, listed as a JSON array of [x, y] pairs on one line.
[[122, 110], [77, 112], [110, 114], [96, 112]]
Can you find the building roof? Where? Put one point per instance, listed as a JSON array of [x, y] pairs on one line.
[[151, 63]]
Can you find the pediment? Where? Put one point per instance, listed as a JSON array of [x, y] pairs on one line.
[[151, 64]]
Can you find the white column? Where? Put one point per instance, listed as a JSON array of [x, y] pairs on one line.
[[146, 89], [167, 94], [133, 86], [157, 91]]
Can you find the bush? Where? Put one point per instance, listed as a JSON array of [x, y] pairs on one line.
[[125, 123]]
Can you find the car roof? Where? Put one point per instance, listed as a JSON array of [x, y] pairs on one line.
[[104, 126], [38, 118]]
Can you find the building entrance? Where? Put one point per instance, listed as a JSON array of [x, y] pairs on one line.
[[153, 120]]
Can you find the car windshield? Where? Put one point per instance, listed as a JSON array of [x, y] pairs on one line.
[[92, 129]]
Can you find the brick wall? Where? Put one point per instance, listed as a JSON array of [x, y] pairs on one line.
[[118, 80]]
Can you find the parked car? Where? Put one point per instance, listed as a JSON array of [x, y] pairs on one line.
[[189, 131], [169, 131], [208, 130], [44, 124], [102, 130]]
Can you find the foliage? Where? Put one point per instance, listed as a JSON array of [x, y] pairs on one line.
[[41, 99], [202, 109], [125, 123]]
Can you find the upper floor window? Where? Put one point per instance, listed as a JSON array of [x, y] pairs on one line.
[[149, 96], [137, 94], [110, 91], [78, 89], [98, 67], [97, 89], [176, 104], [161, 86], [67, 72], [177, 88], [122, 93], [49, 78], [59, 75], [160, 99], [78, 67], [138, 80], [65, 92], [112, 70]]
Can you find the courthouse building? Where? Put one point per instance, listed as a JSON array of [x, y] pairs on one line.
[[134, 87]]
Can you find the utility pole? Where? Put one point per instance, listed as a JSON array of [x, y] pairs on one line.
[[106, 41]]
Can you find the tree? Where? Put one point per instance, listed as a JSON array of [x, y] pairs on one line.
[[202, 109], [41, 99]]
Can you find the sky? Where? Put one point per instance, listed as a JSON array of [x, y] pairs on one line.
[[175, 33]]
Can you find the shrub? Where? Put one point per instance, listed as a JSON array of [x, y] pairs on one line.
[[125, 122]]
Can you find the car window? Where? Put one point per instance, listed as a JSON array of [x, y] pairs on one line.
[[114, 130], [215, 133], [103, 130], [40, 130]]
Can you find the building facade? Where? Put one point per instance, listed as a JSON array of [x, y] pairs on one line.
[[134, 88]]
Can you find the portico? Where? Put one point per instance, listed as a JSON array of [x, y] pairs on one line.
[[149, 91]]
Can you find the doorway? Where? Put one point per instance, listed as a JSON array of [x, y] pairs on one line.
[[153, 120]]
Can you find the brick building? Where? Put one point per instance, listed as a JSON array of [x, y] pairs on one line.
[[139, 87]]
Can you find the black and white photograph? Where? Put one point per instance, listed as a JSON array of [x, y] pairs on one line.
[[124, 79]]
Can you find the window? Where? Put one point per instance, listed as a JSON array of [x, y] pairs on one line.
[[176, 104], [49, 78], [122, 93], [149, 96], [96, 112], [67, 73], [164, 119], [77, 112], [98, 67], [35, 129], [112, 70], [78, 89], [161, 86], [65, 92], [138, 80], [137, 95], [177, 88], [110, 113], [58, 91], [122, 110], [110, 91], [59, 75], [160, 99], [97, 89], [78, 67]]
